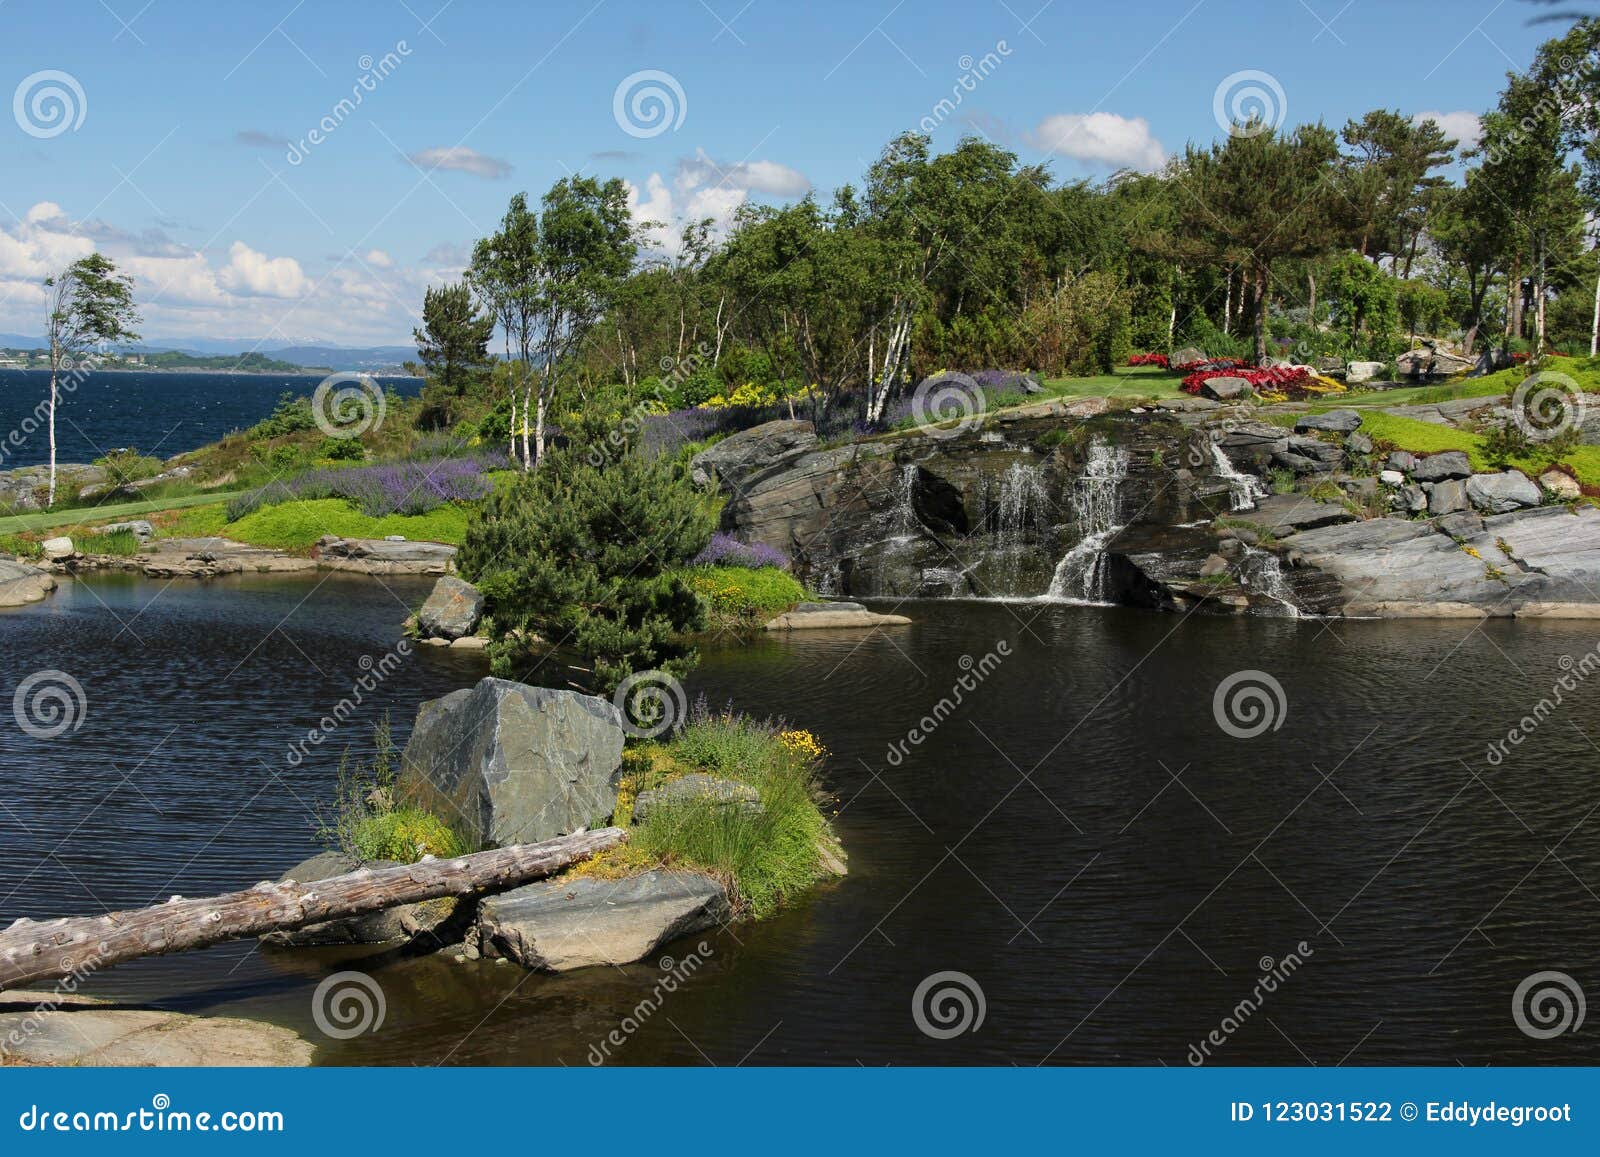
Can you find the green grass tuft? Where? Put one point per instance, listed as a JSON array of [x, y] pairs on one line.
[[297, 525], [744, 596]]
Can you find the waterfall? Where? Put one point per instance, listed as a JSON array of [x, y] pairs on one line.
[[1243, 489], [901, 520], [1021, 492], [1261, 571], [1096, 507]]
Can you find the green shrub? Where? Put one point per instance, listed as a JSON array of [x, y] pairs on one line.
[[342, 450], [367, 821], [124, 466], [290, 416], [28, 548], [405, 834], [740, 595], [767, 856]]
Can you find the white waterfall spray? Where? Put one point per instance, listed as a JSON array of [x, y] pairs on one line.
[[1243, 489], [1096, 505]]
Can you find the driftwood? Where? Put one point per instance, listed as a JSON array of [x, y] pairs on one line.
[[79, 945]]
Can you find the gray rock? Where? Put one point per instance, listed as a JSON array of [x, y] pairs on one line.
[[428, 919], [1561, 484], [1391, 478], [21, 583], [1413, 498], [1447, 497], [505, 763], [1283, 514], [1214, 565], [380, 556], [736, 458], [559, 925], [1463, 525], [1402, 460], [451, 610], [57, 548], [138, 527], [1358, 444], [825, 608], [710, 790], [1240, 534], [1502, 493], [1337, 421], [1358, 372], [1227, 388], [1436, 467], [1430, 361], [1186, 355], [1393, 566]]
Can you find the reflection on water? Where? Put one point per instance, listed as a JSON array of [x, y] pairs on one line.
[[1078, 836]]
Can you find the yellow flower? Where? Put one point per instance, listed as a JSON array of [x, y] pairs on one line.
[[802, 743]]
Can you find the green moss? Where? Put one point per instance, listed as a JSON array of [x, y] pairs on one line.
[[298, 525]]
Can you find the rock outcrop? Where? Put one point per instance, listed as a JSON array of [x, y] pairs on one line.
[[575, 922], [739, 456], [384, 556], [21, 584], [506, 763], [451, 610], [62, 1029]]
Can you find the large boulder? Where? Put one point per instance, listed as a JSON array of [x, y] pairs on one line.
[[748, 452], [138, 527], [1358, 372], [505, 763], [1438, 467], [559, 925], [1341, 421], [60, 1029], [1447, 497], [427, 921], [21, 583], [1561, 484], [1502, 493], [451, 610], [1187, 356], [1429, 361], [58, 548]]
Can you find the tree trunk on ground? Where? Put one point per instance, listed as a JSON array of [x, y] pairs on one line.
[[77, 946]]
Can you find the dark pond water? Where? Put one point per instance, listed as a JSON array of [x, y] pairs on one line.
[[1080, 837], [161, 414]]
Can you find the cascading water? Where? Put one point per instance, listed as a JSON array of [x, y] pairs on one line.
[[1260, 571], [1022, 503], [1096, 507], [1243, 489], [900, 523]]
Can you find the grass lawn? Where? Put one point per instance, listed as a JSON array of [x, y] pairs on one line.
[[1131, 382], [297, 525], [744, 596], [89, 515]]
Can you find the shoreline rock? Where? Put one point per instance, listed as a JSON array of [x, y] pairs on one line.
[[69, 1029]]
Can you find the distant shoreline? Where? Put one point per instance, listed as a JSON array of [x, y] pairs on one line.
[[298, 373]]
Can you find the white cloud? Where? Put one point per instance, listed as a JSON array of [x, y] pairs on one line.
[[379, 259], [752, 176], [460, 159], [1100, 138], [1461, 125], [255, 274]]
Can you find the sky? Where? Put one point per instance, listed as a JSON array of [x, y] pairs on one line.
[[287, 172]]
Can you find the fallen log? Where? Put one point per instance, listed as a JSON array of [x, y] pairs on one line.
[[78, 946]]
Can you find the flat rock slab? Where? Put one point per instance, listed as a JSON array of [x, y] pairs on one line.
[[384, 556], [21, 583], [46, 1028], [1338, 421], [559, 925], [832, 619], [1284, 514], [1394, 567], [208, 557]]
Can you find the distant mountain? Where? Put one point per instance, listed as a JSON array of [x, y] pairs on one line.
[[305, 353]]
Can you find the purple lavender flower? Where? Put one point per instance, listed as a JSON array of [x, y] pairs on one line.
[[725, 550]]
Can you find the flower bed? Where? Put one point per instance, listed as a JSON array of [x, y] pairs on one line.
[[1276, 380], [379, 491], [725, 550], [1151, 359]]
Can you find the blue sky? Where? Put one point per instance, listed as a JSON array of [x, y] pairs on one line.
[[183, 143]]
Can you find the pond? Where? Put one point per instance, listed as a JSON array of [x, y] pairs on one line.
[[1112, 861]]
